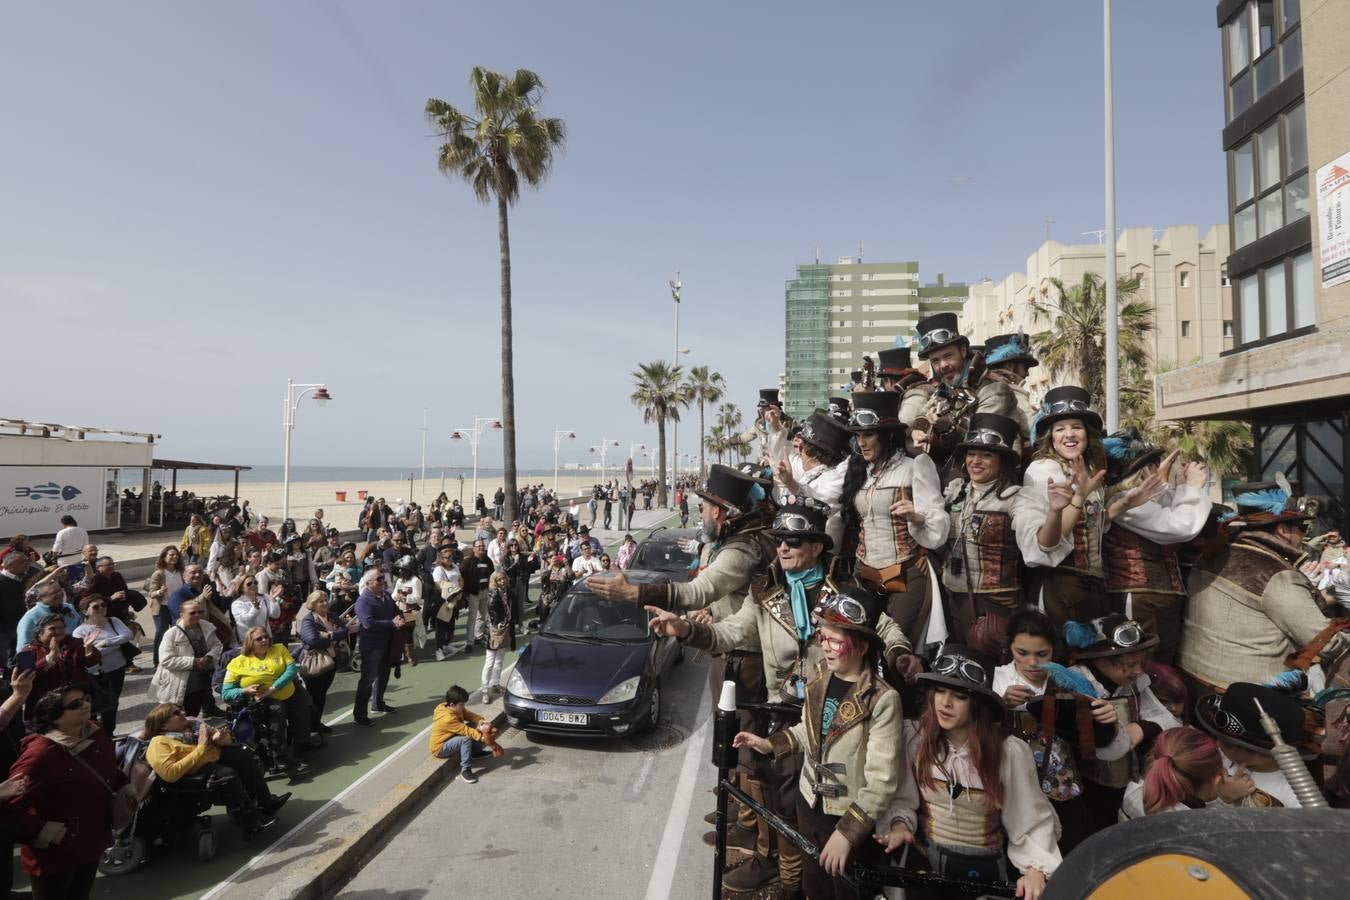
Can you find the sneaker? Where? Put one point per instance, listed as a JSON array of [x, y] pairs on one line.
[[440, 656], [274, 802], [385, 708], [467, 776], [364, 723]]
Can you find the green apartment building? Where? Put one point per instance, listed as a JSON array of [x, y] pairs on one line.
[[836, 314]]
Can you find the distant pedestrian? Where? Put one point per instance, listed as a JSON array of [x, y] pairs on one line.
[[69, 539], [498, 502], [609, 507]]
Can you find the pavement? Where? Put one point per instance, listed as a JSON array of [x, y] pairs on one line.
[[360, 785]]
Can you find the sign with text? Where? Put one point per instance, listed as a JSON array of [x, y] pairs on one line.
[[34, 498], [1333, 207]]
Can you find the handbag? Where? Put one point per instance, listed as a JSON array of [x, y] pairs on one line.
[[317, 662], [1056, 768], [446, 611]]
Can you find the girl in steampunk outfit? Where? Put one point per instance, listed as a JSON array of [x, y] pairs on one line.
[[893, 516], [1068, 440], [817, 471], [1149, 518]]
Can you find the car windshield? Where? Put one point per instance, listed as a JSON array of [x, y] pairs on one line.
[[583, 615], [662, 556]]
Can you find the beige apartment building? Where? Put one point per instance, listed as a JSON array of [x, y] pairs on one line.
[[1181, 276], [1286, 95]]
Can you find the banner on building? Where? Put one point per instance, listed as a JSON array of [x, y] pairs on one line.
[[1333, 206], [34, 498]]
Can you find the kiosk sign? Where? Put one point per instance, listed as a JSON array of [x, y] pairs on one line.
[[34, 498]]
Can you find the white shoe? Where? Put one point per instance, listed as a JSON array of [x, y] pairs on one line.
[[440, 656]]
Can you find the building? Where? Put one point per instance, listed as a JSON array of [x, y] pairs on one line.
[[1181, 276], [836, 314], [1286, 96]]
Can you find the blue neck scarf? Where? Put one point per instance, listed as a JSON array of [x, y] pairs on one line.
[[798, 582]]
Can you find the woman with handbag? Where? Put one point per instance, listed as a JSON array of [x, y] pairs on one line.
[[111, 638], [323, 641], [449, 583], [159, 587]]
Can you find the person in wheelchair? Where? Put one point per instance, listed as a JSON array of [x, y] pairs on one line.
[[266, 673], [211, 758]]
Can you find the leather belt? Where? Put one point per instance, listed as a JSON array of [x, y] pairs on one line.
[[891, 579]]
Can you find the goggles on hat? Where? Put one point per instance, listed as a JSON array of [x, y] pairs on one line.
[[844, 607], [864, 418], [937, 336], [807, 433], [1065, 406], [1127, 634], [1308, 506], [949, 664], [1226, 721], [789, 521], [986, 437]]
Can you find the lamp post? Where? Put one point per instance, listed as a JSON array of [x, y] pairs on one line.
[[602, 448], [675, 287], [321, 397], [475, 434], [1112, 310], [424, 457], [558, 437]]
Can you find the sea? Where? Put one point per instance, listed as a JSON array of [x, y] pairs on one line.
[[357, 474]]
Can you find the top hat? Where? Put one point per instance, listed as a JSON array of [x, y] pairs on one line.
[[838, 408], [761, 475], [1126, 453], [803, 518], [1262, 503], [825, 431], [731, 489], [856, 376], [1232, 716], [937, 331], [1009, 348], [966, 669], [1066, 402], [874, 410], [893, 361], [852, 609], [1110, 635], [769, 397], [350, 545], [995, 434]]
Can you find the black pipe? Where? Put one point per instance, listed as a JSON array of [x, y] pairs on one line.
[[725, 725]]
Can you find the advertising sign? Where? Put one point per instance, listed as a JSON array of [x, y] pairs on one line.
[[34, 498], [1333, 207]]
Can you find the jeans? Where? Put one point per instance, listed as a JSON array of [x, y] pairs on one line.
[[74, 883], [113, 680], [498, 510], [476, 629], [444, 632], [249, 782], [163, 622], [609, 514], [461, 745], [374, 677], [318, 686]]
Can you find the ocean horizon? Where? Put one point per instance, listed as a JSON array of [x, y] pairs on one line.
[[359, 474]]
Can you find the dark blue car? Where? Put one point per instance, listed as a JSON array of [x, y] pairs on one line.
[[593, 670]]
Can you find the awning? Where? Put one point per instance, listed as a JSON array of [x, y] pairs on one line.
[[182, 464]]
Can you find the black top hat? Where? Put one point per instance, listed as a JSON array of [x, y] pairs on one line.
[[1232, 716], [761, 475], [1261, 503], [852, 609], [1111, 635], [826, 432], [874, 410], [1008, 348], [350, 545], [1067, 402], [730, 489], [584, 529], [893, 361], [769, 397], [937, 331], [856, 376], [966, 669], [1127, 452], [839, 407], [995, 434], [802, 518]]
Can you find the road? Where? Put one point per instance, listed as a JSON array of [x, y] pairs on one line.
[[559, 818]]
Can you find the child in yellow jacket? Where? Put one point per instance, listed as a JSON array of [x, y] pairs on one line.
[[457, 731]]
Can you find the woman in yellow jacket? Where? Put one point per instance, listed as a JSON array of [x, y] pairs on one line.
[[174, 753], [266, 672], [196, 542]]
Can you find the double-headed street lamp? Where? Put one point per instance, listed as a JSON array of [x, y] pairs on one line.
[[558, 437], [602, 448], [321, 396], [475, 434]]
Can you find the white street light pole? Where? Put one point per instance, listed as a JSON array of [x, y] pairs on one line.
[[675, 287], [321, 396], [558, 437], [601, 448], [480, 424], [424, 457], [1112, 312]]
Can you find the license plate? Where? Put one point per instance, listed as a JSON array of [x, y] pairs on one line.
[[562, 718]]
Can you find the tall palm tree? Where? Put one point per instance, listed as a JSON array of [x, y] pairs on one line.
[[1223, 446], [1075, 343], [659, 393], [505, 141], [704, 386], [729, 417], [716, 441]]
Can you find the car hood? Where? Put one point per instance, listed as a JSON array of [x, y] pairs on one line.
[[551, 666]]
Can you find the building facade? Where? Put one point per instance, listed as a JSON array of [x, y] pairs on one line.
[[837, 314], [1286, 95]]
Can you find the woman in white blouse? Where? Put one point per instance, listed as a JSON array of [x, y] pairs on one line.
[[817, 470]]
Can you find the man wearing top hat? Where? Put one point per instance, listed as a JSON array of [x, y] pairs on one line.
[[771, 427], [938, 410], [838, 408], [1250, 606], [1009, 358], [1235, 722], [895, 371]]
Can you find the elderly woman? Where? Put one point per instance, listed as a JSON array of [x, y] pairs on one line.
[[108, 636], [174, 753], [69, 773], [321, 636], [61, 659], [188, 656], [265, 672]]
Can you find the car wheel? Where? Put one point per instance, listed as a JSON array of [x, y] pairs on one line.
[[653, 709]]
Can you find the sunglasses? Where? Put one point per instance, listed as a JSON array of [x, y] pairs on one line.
[[986, 438], [950, 664], [842, 606], [937, 336], [864, 418], [75, 704]]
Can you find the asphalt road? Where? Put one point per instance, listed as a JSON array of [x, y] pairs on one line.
[[559, 818]]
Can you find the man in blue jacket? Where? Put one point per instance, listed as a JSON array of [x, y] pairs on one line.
[[378, 617]]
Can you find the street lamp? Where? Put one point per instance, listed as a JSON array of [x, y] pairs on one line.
[[475, 434], [602, 448], [558, 437], [321, 397]]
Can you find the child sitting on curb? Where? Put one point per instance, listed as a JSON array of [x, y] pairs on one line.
[[458, 731]]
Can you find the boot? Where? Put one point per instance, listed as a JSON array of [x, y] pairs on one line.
[[751, 875], [739, 839]]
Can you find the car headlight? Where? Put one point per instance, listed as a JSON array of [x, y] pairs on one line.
[[623, 691], [516, 685]]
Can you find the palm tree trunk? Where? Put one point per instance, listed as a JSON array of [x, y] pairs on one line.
[[508, 369], [702, 439], [661, 455]]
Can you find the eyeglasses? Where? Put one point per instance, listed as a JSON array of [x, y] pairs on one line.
[[863, 418], [831, 643], [195, 612], [75, 704], [952, 664], [842, 606], [986, 438], [937, 336], [1065, 406]]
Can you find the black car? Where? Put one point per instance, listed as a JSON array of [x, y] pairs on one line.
[[593, 670], [660, 553]]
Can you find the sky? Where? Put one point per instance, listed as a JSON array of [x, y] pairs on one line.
[[198, 200]]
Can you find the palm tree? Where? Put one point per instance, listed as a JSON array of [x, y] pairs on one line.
[[503, 143], [716, 441], [729, 417], [704, 386], [1075, 343], [1223, 446], [659, 393]]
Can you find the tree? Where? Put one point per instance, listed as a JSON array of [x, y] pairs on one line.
[[704, 386], [503, 143], [1075, 343], [716, 441], [729, 417], [1222, 445], [659, 393]]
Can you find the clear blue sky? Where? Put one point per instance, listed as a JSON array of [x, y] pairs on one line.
[[198, 200]]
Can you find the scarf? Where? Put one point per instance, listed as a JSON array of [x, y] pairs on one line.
[[798, 582]]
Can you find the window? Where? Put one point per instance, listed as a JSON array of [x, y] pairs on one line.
[[1185, 328], [1273, 167], [1227, 328], [1291, 54], [1244, 227], [1239, 43], [1277, 314], [1296, 204], [1262, 43], [1184, 278], [1265, 25], [1268, 155], [1305, 311], [1288, 15], [1249, 290], [1296, 139], [1269, 213]]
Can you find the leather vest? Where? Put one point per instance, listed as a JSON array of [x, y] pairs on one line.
[[963, 821], [1087, 541], [983, 544], [1134, 563]]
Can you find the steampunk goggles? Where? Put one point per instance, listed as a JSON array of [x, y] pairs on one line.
[[1065, 406], [937, 336], [864, 418], [793, 522], [954, 665], [986, 437], [1127, 634], [808, 433], [843, 607]]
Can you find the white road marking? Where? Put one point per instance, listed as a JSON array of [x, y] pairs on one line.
[[644, 772], [668, 855]]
